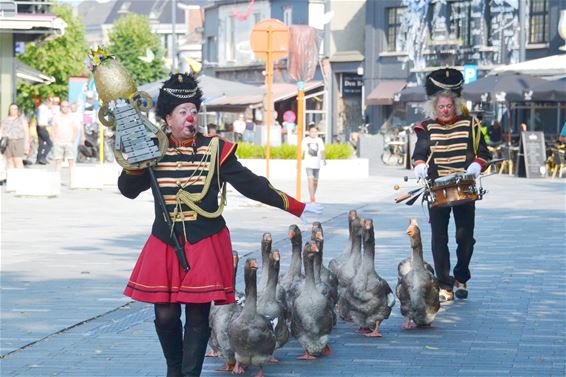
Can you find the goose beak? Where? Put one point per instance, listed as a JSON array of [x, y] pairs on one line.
[[275, 255]]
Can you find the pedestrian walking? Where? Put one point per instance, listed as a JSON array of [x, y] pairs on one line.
[[447, 143], [44, 118], [313, 155], [64, 130], [15, 129]]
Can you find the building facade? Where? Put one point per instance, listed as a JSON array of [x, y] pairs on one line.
[[406, 39]]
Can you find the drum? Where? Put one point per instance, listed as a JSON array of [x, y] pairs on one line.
[[453, 190]]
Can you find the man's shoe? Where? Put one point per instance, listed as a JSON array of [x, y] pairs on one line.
[[461, 290], [41, 162], [445, 295]]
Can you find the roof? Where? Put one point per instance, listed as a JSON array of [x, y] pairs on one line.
[[384, 92], [30, 75], [347, 56], [35, 23], [94, 13], [212, 88]]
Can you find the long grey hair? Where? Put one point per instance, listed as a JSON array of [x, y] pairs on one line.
[[429, 107]]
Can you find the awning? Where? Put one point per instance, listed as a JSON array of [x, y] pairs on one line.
[[30, 75], [384, 92], [279, 92], [282, 91], [550, 66]]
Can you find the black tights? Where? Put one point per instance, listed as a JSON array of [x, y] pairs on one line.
[[197, 332], [196, 315]]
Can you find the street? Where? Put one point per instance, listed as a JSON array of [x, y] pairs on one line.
[[66, 260]]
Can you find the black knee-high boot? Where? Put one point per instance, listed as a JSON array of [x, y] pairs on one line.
[[171, 339], [195, 340]]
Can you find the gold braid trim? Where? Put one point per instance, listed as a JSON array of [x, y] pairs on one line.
[[191, 199]]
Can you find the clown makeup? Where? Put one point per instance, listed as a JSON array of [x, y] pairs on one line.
[[183, 121], [444, 108]]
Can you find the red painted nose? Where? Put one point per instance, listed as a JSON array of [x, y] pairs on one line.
[[190, 118]]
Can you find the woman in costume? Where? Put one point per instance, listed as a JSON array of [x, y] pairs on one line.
[[191, 176]]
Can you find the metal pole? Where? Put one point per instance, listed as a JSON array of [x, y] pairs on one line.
[[300, 128], [173, 36], [269, 75]]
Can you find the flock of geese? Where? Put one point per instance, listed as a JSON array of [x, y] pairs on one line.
[[305, 306]]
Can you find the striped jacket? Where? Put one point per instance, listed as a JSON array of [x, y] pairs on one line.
[[451, 145], [185, 168]]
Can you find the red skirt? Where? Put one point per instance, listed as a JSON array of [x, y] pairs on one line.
[[159, 278]]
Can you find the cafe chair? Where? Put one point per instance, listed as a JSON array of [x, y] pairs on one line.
[[558, 160], [507, 160]]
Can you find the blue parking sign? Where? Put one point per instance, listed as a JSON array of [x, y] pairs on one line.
[[470, 73]]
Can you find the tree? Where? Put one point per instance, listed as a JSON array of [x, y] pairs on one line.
[[61, 58], [131, 38]]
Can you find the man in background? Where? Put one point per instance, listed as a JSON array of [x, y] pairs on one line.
[[65, 128], [44, 117]]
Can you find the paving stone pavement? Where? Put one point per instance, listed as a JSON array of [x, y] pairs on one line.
[[65, 262]]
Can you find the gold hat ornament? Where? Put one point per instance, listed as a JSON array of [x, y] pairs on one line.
[[138, 143]]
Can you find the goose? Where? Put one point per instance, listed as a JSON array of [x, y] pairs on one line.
[[219, 320], [251, 335], [417, 288], [348, 270], [291, 282], [266, 241], [370, 297], [270, 307], [336, 263], [322, 274], [312, 316]]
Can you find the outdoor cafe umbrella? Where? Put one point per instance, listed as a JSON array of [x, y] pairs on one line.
[[549, 91], [411, 94], [502, 87]]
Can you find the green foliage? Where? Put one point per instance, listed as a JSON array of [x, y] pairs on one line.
[[338, 151], [247, 150], [61, 58], [130, 38], [284, 152], [289, 152]]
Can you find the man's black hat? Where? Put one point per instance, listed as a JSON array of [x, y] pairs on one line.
[[445, 79], [179, 88]]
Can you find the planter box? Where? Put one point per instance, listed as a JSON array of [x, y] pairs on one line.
[[354, 168], [33, 182]]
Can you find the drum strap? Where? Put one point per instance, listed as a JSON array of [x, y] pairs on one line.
[[476, 135]]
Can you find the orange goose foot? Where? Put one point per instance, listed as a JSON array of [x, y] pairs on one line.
[[238, 369], [375, 333], [326, 351], [228, 368], [306, 356], [273, 360], [211, 353]]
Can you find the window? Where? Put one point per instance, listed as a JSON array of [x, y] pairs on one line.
[[538, 21], [288, 15], [460, 18], [394, 17]]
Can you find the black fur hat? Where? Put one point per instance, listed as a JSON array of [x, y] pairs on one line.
[[444, 79], [179, 88]]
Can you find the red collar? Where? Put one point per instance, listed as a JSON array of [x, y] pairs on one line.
[[184, 143], [452, 120]]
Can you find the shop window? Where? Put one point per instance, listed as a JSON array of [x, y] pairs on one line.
[[538, 21]]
